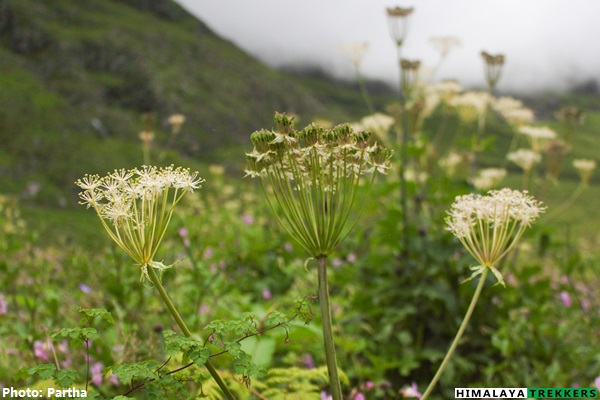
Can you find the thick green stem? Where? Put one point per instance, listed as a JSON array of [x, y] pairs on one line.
[[167, 300], [459, 334], [334, 380]]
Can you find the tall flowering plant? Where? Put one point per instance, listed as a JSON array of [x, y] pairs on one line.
[[135, 208], [311, 178], [489, 227]]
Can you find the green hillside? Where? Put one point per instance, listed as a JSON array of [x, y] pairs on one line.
[[76, 77]]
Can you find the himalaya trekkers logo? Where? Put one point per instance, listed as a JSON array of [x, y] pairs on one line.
[[525, 393]]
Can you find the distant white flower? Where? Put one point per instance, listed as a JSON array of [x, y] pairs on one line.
[[355, 52], [450, 162], [378, 124], [176, 121], [488, 178], [524, 158], [584, 168], [471, 104], [444, 44], [537, 136], [445, 89]]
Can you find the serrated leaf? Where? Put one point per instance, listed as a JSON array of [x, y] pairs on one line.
[[66, 377], [43, 371], [90, 314]]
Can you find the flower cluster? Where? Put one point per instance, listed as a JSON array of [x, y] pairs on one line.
[[493, 67], [584, 168], [488, 178], [513, 111], [135, 206], [398, 23], [489, 226], [524, 158], [313, 175], [470, 105], [355, 52], [537, 136]]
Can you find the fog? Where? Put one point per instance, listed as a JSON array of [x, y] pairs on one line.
[[547, 43]]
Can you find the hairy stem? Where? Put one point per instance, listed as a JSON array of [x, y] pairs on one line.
[[459, 334], [334, 380], [167, 300]]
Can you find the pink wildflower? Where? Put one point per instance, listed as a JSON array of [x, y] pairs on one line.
[[565, 298], [40, 350], [3, 305], [411, 391]]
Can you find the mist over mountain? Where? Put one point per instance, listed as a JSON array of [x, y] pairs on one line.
[[547, 44]]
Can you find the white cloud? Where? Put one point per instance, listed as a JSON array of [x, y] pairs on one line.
[[546, 42]]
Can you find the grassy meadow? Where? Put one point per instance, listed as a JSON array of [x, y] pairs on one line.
[[85, 312]]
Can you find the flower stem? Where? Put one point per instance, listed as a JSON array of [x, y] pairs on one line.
[[403, 143], [334, 380], [167, 300], [459, 334]]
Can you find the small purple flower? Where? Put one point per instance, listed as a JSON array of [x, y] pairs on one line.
[[183, 234], [585, 305], [336, 262], [368, 385], [96, 371], [359, 396], [266, 294], [40, 350], [351, 258], [203, 309], [208, 253], [114, 380], [3, 304], [308, 361], [596, 382], [247, 219], [385, 385], [84, 288], [63, 347], [565, 298], [325, 396], [411, 391], [288, 247]]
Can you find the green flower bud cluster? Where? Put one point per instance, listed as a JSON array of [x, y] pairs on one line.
[[312, 176]]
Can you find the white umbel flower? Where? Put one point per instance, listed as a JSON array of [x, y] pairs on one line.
[[135, 207], [524, 158], [584, 168], [489, 226]]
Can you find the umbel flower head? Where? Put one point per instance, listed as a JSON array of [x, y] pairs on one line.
[[584, 168], [398, 23], [135, 207], [493, 67], [490, 226], [311, 178]]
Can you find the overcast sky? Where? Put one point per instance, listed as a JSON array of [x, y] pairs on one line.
[[547, 43]]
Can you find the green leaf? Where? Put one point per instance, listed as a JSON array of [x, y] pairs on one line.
[[90, 314], [66, 377], [43, 371], [190, 347], [142, 370]]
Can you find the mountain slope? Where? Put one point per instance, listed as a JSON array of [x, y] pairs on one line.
[[76, 76]]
